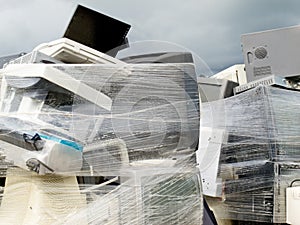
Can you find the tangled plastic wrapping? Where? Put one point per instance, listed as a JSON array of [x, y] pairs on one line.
[[254, 138], [99, 144]]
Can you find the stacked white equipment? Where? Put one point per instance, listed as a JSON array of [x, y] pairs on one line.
[[98, 143]]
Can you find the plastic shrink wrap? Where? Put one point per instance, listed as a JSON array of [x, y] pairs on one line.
[[99, 144], [257, 135]]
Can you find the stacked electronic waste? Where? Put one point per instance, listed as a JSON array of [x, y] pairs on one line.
[[87, 138], [249, 150], [128, 132], [259, 154], [90, 139]]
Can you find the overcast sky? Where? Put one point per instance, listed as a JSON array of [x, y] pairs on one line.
[[209, 28]]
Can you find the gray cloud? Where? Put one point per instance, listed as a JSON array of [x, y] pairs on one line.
[[210, 28]]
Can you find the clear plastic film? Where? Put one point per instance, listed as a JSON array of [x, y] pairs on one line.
[[100, 144], [255, 140]]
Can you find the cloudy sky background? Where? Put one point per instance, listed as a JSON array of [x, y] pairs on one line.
[[209, 28]]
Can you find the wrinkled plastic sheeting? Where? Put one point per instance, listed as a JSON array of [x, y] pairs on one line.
[[146, 197], [138, 157], [154, 112], [259, 155]]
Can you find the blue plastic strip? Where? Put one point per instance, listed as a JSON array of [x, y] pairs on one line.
[[71, 144]]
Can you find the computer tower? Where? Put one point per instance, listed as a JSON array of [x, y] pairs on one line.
[[272, 52]]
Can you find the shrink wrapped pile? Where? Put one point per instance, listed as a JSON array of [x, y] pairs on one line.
[[99, 144], [259, 154]]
